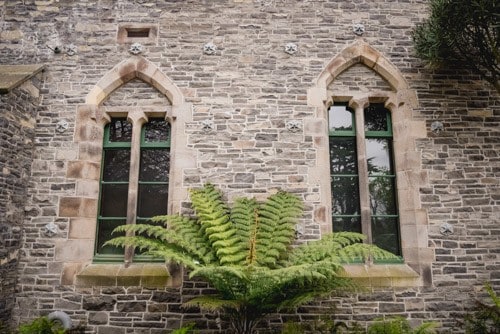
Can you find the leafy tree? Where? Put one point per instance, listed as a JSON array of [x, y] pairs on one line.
[[465, 32], [246, 254]]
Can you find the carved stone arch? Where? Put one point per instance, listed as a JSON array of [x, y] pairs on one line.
[[362, 52], [400, 99], [134, 67]]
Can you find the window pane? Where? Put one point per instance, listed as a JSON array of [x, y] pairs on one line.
[[116, 165], [156, 130], [155, 165], [114, 200], [343, 158], [120, 130], [104, 234], [378, 154], [347, 224], [339, 118], [385, 234], [376, 117], [382, 195], [153, 199], [345, 195]]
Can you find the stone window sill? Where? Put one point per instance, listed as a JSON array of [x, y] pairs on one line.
[[145, 275], [383, 275]]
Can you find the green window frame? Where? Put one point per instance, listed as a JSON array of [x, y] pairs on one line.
[[152, 181], [378, 191]]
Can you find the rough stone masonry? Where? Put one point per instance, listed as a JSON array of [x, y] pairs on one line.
[[246, 85]]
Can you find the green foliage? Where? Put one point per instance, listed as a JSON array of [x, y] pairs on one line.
[[185, 329], [322, 326], [486, 318], [464, 32], [246, 254], [41, 325], [399, 325]]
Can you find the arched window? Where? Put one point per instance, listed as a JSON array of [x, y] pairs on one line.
[[362, 174], [134, 179]]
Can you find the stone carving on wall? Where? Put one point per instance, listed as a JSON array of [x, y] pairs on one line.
[[291, 48], [293, 126], [62, 126], [209, 48], [50, 229], [358, 29], [207, 125], [136, 48]]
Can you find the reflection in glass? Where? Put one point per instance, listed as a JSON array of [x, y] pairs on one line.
[[155, 165], [378, 153], [114, 200], [385, 234], [153, 199], [120, 130], [343, 158], [347, 224], [116, 165], [382, 195], [106, 227], [345, 195], [340, 118], [156, 130], [376, 117]]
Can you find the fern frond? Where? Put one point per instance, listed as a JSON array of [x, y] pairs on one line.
[[243, 216], [157, 248], [213, 215], [213, 303], [276, 227]]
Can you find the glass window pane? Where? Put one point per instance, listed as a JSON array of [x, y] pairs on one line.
[[114, 200], [340, 118], [378, 155], [382, 195], [376, 117], [153, 200], [120, 130], [155, 165], [347, 224], [345, 195], [343, 158], [385, 234], [116, 165], [104, 234], [156, 130]]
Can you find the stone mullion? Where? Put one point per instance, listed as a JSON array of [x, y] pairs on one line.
[[137, 118], [364, 192]]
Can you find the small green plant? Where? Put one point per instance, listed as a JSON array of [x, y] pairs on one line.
[[188, 328], [322, 326], [41, 325], [486, 318], [399, 325]]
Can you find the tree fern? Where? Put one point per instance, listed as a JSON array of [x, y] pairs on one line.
[[246, 254]]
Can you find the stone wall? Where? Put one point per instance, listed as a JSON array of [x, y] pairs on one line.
[[250, 89], [18, 110]]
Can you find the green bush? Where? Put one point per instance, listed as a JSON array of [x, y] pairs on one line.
[[486, 318], [399, 325], [41, 325]]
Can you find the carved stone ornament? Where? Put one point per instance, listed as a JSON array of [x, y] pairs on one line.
[[71, 50], [437, 126], [299, 231], [50, 229], [209, 49], [446, 229], [62, 126], [136, 48], [291, 48], [358, 29], [207, 125], [293, 126]]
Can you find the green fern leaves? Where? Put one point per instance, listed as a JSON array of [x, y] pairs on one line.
[[246, 253]]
